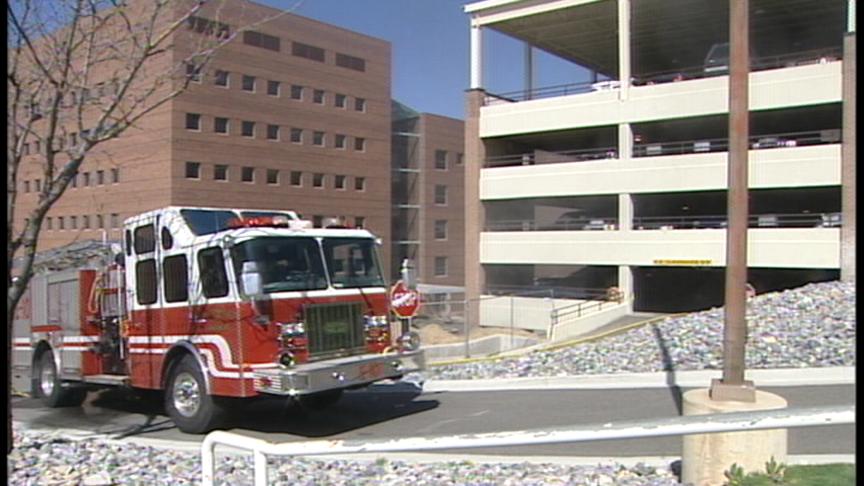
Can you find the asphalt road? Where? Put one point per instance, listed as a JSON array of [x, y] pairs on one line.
[[373, 415]]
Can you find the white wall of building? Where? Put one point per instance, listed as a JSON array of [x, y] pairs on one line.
[[770, 248]]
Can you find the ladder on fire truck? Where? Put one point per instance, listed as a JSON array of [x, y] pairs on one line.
[[106, 302]]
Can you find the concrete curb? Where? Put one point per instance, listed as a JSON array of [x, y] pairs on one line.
[[685, 379]]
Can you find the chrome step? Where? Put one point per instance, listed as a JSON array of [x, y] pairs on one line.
[[107, 379]]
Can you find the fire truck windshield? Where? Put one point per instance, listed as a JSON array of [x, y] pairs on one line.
[[291, 263], [285, 264], [352, 262]]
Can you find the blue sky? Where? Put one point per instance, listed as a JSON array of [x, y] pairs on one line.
[[430, 44]]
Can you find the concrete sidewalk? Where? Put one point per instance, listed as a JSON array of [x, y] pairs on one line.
[[684, 379]]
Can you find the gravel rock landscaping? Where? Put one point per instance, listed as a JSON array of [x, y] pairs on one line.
[[810, 326], [46, 459]]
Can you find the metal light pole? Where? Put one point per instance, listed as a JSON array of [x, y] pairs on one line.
[[733, 386]]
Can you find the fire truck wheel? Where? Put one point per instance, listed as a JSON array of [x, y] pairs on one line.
[[48, 386], [320, 400], [187, 402]]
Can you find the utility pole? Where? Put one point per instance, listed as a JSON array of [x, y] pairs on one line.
[[733, 386]]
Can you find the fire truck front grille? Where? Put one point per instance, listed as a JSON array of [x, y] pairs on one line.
[[334, 330]]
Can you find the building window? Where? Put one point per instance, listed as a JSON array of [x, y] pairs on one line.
[[100, 177], [115, 176], [297, 135], [318, 139], [339, 141], [115, 220], [26, 149], [350, 62], [73, 222], [193, 121], [459, 158], [441, 159], [259, 39], [38, 184], [296, 92], [61, 223], [441, 195], [360, 183], [340, 100], [317, 180], [220, 125], [247, 129], [247, 174], [360, 144], [85, 179], [49, 223], [175, 278], [359, 222], [220, 172], [193, 170], [222, 78], [273, 88], [26, 186], [204, 26], [309, 52], [317, 220], [440, 229], [85, 222], [296, 178], [272, 132], [440, 266], [73, 139], [272, 176], [360, 104], [248, 83], [193, 72], [318, 96], [74, 181], [339, 182], [100, 222]]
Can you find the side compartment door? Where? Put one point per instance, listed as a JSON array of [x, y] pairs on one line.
[[63, 299]]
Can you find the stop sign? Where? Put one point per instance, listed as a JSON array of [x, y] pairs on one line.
[[404, 301]]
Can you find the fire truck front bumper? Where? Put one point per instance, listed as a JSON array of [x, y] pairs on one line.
[[349, 372]]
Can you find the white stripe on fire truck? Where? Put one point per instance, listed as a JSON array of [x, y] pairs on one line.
[[209, 354], [142, 342]]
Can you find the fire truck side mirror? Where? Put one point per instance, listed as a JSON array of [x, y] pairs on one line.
[[251, 279], [409, 274]]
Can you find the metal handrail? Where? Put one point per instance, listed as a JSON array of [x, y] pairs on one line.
[[757, 142], [690, 221], [529, 158], [647, 149], [760, 63], [686, 425]]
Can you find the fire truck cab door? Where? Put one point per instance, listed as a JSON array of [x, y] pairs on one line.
[[143, 276]]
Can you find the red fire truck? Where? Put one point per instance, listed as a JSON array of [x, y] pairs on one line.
[[206, 304]]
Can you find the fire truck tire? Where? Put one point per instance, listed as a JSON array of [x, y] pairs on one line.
[[320, 400], [48, 386], [187, 402]]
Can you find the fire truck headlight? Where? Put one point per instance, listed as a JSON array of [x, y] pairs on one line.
[[410, 341], [286, 359]]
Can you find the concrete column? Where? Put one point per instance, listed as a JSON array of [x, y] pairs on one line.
[[848, 185], [475, 153], [476, 56], [625, 141], [705, 457], [529, 70], [625, 223], [624, 48]]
